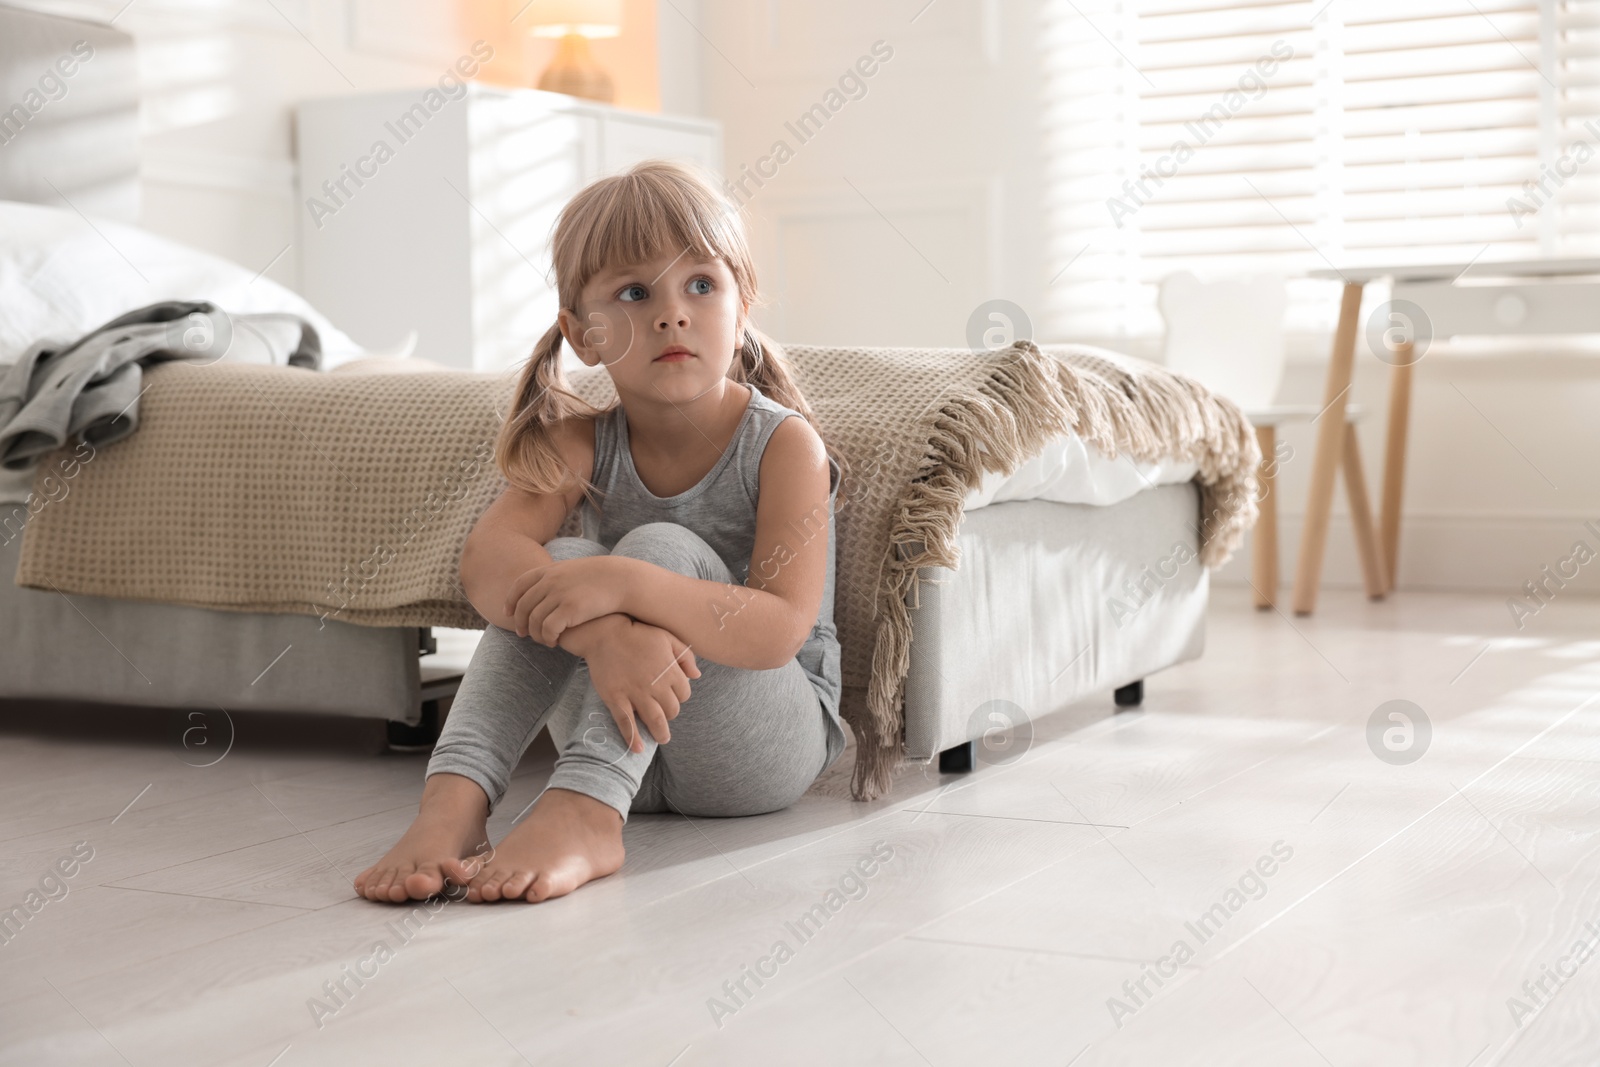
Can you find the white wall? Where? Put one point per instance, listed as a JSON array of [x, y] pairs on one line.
[[945, 146], [1501, 471], [922, 148]]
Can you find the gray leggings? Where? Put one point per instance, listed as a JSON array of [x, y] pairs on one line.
[[745, 742]]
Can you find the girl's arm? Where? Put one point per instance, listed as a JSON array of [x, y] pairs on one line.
[[761, 625], [509, 537], [631, 664]]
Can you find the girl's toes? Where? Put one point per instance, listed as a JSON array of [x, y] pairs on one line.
[[516, 884], [489, 889], [377, 887], [460, 872], [544, 887], [426, 881]]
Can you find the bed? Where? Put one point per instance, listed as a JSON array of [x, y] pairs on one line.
[[77, 149], [1067, 585]]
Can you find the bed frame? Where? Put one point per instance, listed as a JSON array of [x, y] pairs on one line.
[[1052, 602]]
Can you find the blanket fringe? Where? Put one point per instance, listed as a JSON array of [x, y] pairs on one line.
[[1019, 408], [1143, 414]]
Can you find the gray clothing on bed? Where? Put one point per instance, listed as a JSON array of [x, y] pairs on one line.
[[89, 389]]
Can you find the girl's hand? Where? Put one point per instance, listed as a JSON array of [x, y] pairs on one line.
[[642, 670], [547, 600]]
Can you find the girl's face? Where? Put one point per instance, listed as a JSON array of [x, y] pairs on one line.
[[665, 330]]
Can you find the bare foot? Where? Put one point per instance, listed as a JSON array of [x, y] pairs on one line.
[[568, 839], [450, 827]]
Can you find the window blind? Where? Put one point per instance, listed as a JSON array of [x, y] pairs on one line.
[[1290, 135], [1572, 226]]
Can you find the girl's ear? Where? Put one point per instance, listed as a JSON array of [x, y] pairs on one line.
[[573, 330]]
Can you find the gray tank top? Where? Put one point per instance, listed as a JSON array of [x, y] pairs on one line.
[[721, 509]]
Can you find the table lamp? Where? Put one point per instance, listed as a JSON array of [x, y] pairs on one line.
[[574, 70]]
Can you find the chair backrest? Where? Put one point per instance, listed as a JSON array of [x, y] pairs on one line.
[[1228, 334]]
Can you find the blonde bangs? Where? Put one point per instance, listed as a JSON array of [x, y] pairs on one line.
[[648, 212]]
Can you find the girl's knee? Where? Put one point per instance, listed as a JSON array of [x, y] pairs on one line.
[[666, 544], [655, 536], [573, 548]]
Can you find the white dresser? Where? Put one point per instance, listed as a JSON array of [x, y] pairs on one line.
[[419, 212]]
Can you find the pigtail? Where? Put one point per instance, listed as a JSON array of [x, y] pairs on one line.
[[526, 450], [762, 365]]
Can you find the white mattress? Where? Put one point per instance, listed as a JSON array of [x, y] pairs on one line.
[[1071, 471]]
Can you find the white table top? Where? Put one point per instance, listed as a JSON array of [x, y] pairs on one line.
[[1517, 268]]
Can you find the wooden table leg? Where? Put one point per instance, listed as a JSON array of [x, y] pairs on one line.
[[1329, 453], [1355, 484], [1264, 550], [1394, 460]]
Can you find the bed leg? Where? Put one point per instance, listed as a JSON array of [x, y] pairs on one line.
[[403, 737], [1130, 695], [960, 759]]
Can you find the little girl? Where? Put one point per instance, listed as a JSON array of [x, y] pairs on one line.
[[682, 651]]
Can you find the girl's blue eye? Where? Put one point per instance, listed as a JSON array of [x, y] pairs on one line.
[[700, 286], [633, 293]]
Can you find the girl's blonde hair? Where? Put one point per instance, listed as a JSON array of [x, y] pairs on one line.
[[657, 208]]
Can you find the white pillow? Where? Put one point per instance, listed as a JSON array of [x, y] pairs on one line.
[[61, 277]]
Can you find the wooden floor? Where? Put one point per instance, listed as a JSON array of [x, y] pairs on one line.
[[1099, 900]]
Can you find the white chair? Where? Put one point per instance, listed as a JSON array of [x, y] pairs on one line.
[[1228, 335]]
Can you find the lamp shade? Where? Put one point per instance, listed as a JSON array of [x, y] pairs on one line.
[[586, 18]]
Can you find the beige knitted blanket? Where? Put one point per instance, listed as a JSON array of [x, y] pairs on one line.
[[349, 496]]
